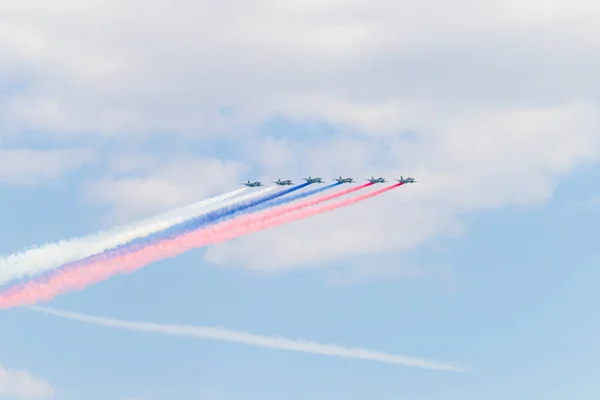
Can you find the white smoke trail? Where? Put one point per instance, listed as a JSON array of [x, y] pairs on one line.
[[52, 255], [280, 343]]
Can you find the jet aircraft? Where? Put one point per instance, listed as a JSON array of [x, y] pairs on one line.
[[343, 180], [376, 180], [313, 180], [406, 180], [283, 183], [252, 184]]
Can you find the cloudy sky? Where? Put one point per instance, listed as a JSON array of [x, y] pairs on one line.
[[115, 110]]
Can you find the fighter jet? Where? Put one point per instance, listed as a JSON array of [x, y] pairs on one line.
[[283, 183], [343, 180], [313, 180], [406, 180], [252, 184], [376, 180]]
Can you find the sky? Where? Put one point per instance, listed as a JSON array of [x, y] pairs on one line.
[[111, 111]]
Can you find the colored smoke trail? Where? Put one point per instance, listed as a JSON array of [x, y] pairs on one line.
[[147, 239], [251, 339], [294, 207], [193, 224], [80, 277], [196, 223], [174, 233], [52, 255], [289, 199], [224, 234]]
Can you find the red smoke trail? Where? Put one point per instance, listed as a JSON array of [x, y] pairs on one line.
[[81, 277]]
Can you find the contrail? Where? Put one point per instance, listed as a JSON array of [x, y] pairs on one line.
[[78, 278], [52, 255], [273, 342]]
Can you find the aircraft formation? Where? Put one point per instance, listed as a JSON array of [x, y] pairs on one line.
[[310, 179], [67, 266]]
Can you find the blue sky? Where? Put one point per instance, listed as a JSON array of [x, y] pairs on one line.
[[521, 316], [488, 261]]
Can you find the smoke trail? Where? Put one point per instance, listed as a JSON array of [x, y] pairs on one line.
[[81, 251], [80, 277], [273, 342], [220, 234], [289, 199], [270, 214], [230, 212], [173, 233], [116, 244], [192, 224], [52, 255], [258, 205]]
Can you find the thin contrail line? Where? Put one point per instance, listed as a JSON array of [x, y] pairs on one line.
[[273, 342]]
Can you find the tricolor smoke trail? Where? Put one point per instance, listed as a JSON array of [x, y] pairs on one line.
[[50, 256], [148, 236], [202, 221], [80, 277], [295, 207], [81, 251], [272, 342], [220, 216], [222, 233], [266, 202], [273, 203]]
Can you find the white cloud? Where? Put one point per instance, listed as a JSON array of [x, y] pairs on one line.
[[169, 184], [500, 98], [112, 67], [133, 163], [387, 267], [28, 167], [21, 384]]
